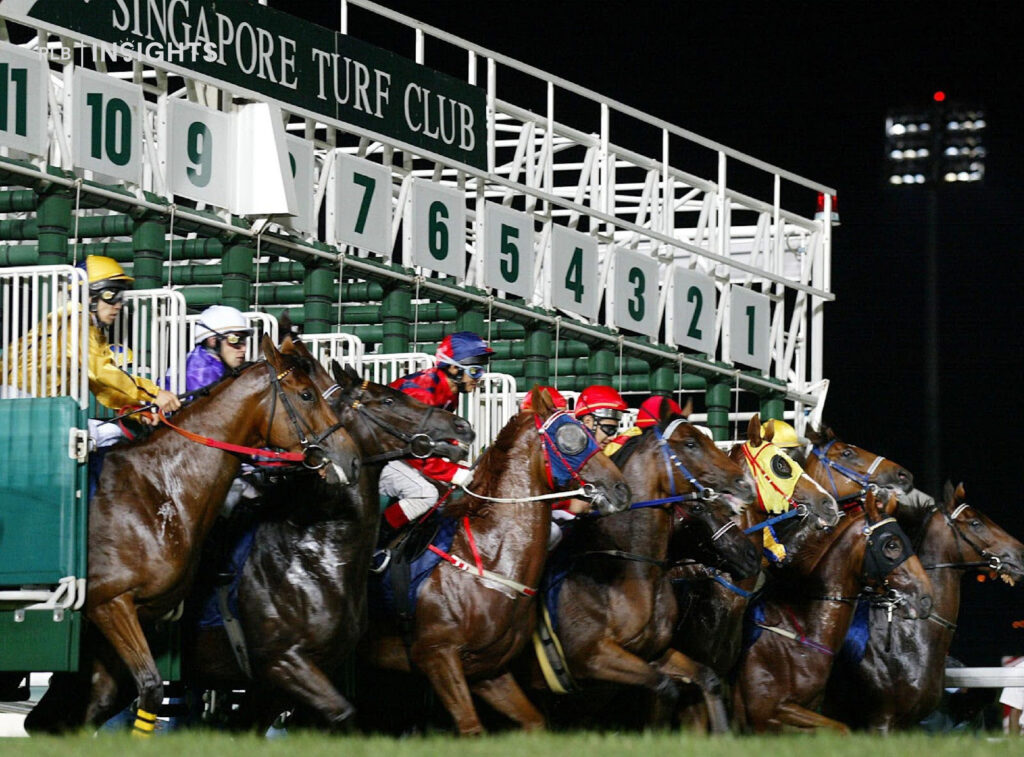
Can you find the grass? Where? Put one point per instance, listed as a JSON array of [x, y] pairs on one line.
[[206, 744]]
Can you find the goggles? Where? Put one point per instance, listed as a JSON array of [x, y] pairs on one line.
[[236, 339], [111, 296], [475, 372], [608, 429]]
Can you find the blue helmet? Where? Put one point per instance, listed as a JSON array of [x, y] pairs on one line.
[[460, 347]]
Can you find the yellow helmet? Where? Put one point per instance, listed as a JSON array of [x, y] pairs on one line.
[[785, 435], [104, 272]]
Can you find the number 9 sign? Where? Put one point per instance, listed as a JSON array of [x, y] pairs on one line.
[[199, 151]]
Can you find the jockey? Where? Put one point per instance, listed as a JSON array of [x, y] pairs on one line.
[[221, 338], [112, 385], [600, 409], [460, 362], [646, 417]]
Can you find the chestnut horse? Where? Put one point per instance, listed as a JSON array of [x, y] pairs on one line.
[[710, 600], [615, 607], [158, 498], [302, 592], [899, 679], [805, 614], [475, 611]]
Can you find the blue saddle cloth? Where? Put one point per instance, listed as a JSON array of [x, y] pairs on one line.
[[555, 571], [751, 631], [856, 642], [381, 592], [210, 615]]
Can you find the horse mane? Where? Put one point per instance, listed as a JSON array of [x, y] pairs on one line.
[[632, 445], [807, 559], [489, 466]]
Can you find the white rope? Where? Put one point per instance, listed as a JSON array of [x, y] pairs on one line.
[[416, 315], [78, 207], [558, 331], [621, 388], [256, 286], [538, 498], [490, 310], [736, 409], [457, 562], [341, 283]]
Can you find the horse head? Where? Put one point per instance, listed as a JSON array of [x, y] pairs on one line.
[[571, 457], [782, 484], [978, 538], [847, 470], [891, 571], [305, 419], [389, 424]]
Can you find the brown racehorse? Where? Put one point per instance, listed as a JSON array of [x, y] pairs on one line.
[[302, 593], [470, 623], [846, 470], [615, 610], [157, 499], [806, 613], [899, 680], [710, 600]]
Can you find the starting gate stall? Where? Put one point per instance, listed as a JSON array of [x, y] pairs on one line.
[[43, 508], [226, 153]]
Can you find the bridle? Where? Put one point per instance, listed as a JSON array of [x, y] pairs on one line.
[[994, 562], [861, 479], [418, 444]]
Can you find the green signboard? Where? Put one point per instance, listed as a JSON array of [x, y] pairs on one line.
[[272, 54]]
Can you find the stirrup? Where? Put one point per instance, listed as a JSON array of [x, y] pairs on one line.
[[380, 560]]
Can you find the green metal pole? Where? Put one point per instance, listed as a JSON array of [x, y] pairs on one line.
[[716, 397], [663, 380], [18, 200], [537, 363], [602, 367], [148, 248], [772, 406], [54, 224], [396, 317], [237, 267], [318, 294], [469, 320]]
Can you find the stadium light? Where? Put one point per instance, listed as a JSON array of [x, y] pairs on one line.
[[941, 143]]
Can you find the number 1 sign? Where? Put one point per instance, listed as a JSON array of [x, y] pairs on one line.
[[749, 328]]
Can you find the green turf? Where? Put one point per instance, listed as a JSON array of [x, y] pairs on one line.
[[514, 745]]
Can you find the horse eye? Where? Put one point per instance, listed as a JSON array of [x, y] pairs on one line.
[[846, 453], [893, 548], [571, 439], [388, 401], [691, 444], [975, 523], [306, 395], [697, 509], [781, 467]]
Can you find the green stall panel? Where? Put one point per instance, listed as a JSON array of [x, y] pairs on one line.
[[35, 640], [43, 508]]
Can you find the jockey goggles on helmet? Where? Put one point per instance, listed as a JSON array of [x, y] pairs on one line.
[[474, 370], [111, 295]]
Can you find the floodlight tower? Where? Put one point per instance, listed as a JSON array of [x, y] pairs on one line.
[[931, 147]]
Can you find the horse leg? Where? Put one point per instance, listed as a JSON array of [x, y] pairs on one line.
[[788, 713], [62, 706], [679, 666], [443, 668], [307, 683], [505, 696], [610, 662], [118, 620]]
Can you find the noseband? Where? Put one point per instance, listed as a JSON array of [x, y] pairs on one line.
[[418, 444], [314, 457], [992, 563], [861, 479]]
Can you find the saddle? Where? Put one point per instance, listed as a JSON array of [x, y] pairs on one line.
[[405, 549]]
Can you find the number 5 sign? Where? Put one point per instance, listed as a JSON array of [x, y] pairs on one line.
[[749, 328], [508, 250]]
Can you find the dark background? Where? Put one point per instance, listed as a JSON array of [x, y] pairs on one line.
[[806, 86]]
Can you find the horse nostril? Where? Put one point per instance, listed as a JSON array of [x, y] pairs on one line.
[[926, 605], [622, 493]]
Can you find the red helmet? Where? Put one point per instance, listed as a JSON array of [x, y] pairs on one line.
[[650, 409], [556, 398], [601, 401]]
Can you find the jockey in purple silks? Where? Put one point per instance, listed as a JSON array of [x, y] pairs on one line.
[[221, 337]]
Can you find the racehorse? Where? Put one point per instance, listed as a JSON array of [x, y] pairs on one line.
[[615, 609], [899, 679], [803, 617], [157, 499], [846, 470], [475, 610], [302, 592], [710, 600]]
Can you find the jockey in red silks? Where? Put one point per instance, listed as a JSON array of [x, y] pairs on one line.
[[460, 363]]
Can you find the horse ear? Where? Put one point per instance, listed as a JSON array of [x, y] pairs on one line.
[[948, 492], [829, 433], [814, 436], [769, 432], [270, 352], [960, 494], [541, 402], [754, 430], [688, 408], [664, 413], [288, 345], [870, 505], [890, 506], [344, 380]]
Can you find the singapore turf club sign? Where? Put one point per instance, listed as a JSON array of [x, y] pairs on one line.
[[277, 56]]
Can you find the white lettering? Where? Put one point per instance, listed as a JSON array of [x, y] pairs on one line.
[[288, 63], [225, 35], [266, 50], [467, 140], [171, 26], [153, 9], [383, 90], [426, 115], [412, 89], [126, 21], [321, 58], [246, 27], [362, 102]]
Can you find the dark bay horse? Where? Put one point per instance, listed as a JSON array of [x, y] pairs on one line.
[[469, 623], [805, 613], [711, 604], [615, 607], [157, 499], [302, 593], [899, 679]]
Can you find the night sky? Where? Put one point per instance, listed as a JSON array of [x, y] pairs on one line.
[[806, 86]]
